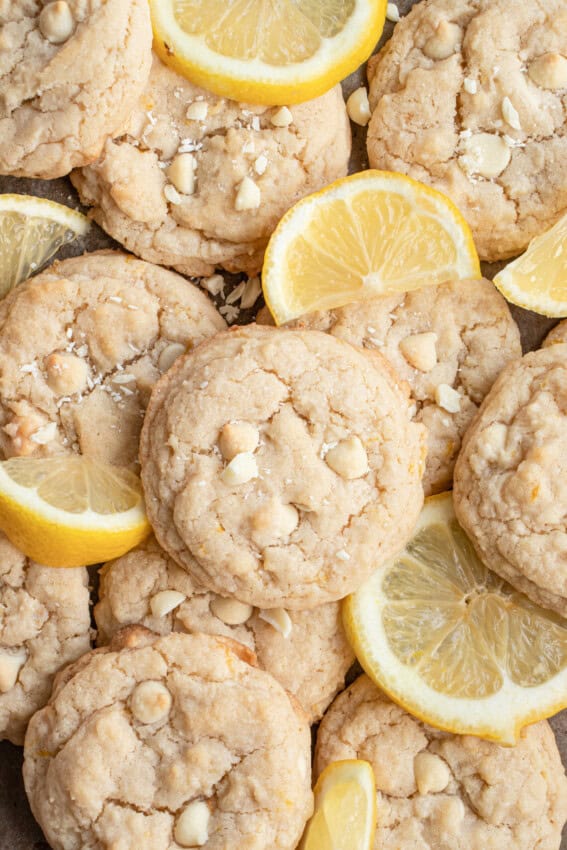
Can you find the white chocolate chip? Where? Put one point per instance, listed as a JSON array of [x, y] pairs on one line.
[[56, 22], [11, 662], [248, 195], [261, 164], [150, 702], [274, 520], [45, 435], [166, 601], [470, 85], [451, 813], [282, 118], [510, 114], [242, 468], [485, 154], [231, 611], [549, 71], [348, 458], [238, 437], [431, 773], [444, 42], [197, 111], [448, 398], [66, 373], [358, 107], [279, 619], [392, 13], [181, 173], [420, 350], [192, 827], [169, 355], [171, 194]]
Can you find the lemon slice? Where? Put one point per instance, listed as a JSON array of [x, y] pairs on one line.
[[370, 234], [537, 280], [266, 51], [31, 231], [345, 808], [70, 511], [453, 643]]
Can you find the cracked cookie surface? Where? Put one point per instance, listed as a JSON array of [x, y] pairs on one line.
[[44, 624], [71, 71], [470, 96], [509, 489], [198, 181], [156, 743], [81, 346], [281, 466], [443, 340], [439, 791], [311, 661]]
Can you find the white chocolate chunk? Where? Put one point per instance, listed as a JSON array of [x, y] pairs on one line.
[[171, 194], [485, 154], [11, 662], [549, 71], [510, 114], [56, 22], [181, 173], [66, 373], [166, 601], [444, 42], [192, 827], [448, 398], [431, 773], [261, 164], [392, 13], [275, 520], [282, 118], [420, 350], [279, 619], [348, 458], [150, 702], [169, 355], [231, 611], [358, 106], [241, 469], [248, 195], [238, 437], [470, 85], [45, 435], [197, 111]]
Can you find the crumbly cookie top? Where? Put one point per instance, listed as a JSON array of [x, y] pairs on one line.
[[438, 791], [173, 741], [281, 466]]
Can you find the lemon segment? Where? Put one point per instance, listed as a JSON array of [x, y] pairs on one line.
[[537, 280], [266, 51], [453, 643], [31, 231], [71, 511], [373, 233], [345, 808]]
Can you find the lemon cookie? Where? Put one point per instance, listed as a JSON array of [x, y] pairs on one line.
[[281, 466], [197, 181], [449, 342], [470, 97], [70, 74], [44, 624], [509, 489], [306, 651], [558, 334], [438, 791], [81, 346], [161, 742]]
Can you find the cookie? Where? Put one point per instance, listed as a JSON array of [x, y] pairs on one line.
[[470, 96], [198, 181], [449, 343], [509, 490], [45, 624], [438, 791], [281, 466], [161, 742], [70, 74], [81, 346], [306, 651], [558, 334]]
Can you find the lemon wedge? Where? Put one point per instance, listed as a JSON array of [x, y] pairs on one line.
[[71, 511], [345, 808], [373, 233], [31, 231], [453, 643], [537, 280], [266, 51]]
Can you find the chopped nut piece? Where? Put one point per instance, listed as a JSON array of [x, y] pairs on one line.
[[248, 196], [431, 773], [549, 71], [20, 430], [150, 702], [165, 601], [251, 292], [348, 458], [485, 154], [171, 194], [192, 827], [242, 468], [181, 173], [45, 435], [444, 42], [214, 284], [470, 85], [238, 437], [11, 662], [358, 107], [448, 398], [282, 118], [392, 13], [279, 619], [510, 114], [56, 22], [420, 351], [231, 611], [169, 355], [66, 373], [197, 111]]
